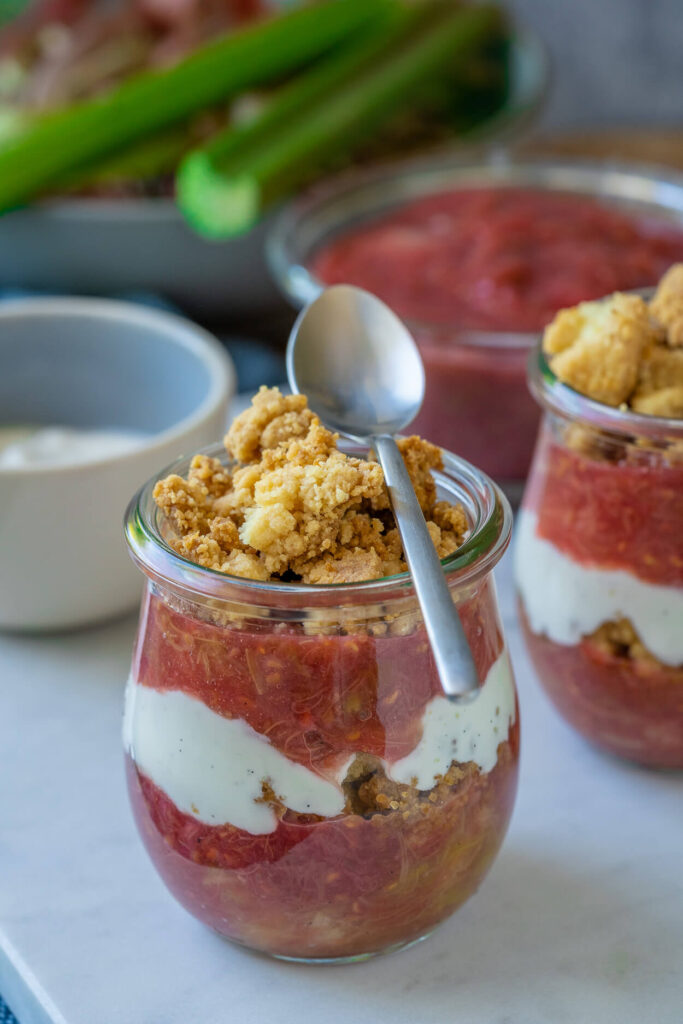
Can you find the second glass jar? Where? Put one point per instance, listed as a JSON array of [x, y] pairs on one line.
[[599, 566]]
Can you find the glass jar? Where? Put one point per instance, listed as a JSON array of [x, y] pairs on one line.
[[599, 569], [299, 780], [475, 343]]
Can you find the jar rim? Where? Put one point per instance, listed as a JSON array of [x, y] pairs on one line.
[[476, 557], [555, 396], [353, 196]]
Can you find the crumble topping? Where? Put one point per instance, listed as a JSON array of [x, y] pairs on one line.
[[619, 639], [294, 507], [622, 351], [659, 391], [667, 304], [369, 790], [597, 347]]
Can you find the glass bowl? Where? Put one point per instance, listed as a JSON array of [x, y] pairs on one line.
[[299, 780], [477, 401]]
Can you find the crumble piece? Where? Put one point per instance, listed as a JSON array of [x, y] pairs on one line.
[[667, 403], [622, 352], [245, 564], [295, 507], [595, 444], [421, 457], [393, 560], [184, 502], [300, 495], [661, 367], [619, 639], [369, 790], [349, 567], [596, 347], [205, 550], [271, 419], [225, 533], [667, 304], [452, 523], [659, 391], [211, 473]]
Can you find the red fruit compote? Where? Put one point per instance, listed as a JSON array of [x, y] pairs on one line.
[[477, 260], [298, 778]]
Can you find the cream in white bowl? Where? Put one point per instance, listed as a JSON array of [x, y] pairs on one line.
[[95, 395], [38, 445]]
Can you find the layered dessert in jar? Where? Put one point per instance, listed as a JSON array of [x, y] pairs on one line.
[[300, 781], [477, 264], [599, 554]]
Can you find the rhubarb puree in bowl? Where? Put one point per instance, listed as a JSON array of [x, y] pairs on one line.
[[477, 261]]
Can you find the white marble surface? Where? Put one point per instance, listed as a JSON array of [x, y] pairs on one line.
[[580, 921]]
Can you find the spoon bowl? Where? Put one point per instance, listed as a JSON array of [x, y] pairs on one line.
[[357, 363], [363, 375]]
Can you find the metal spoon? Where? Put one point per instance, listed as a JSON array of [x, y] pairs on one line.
[[363, 375]]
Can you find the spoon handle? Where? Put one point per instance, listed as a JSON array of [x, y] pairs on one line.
[[450, 648]]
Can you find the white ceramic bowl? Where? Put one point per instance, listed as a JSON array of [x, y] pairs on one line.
[[90, 363], [114, 246]]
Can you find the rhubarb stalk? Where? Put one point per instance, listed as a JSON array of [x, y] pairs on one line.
[[58, 145], [224, 187]]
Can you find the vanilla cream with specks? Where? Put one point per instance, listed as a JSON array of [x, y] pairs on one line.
[[566, 601], [213, 767]]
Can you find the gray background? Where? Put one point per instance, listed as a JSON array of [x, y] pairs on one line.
[[614, 61]]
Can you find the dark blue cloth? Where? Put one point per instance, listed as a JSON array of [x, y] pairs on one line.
[[6, 1015]]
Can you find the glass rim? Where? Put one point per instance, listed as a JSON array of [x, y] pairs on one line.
[[557, 397], [354, 195], [477, 556]]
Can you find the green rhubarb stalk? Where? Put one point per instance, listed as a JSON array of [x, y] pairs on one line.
[[224, 187], [152, 158], [57, 146], [211, 190]]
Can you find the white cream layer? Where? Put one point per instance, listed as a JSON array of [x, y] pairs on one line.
[[212, 767], [565, 600], [62, 446], [462, 732]]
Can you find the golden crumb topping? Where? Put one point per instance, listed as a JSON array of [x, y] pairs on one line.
[[667, 305], [369, 790], [618, 639], [272, 419], [294, 506], [622, 351], [659, 391], [596, 347]]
